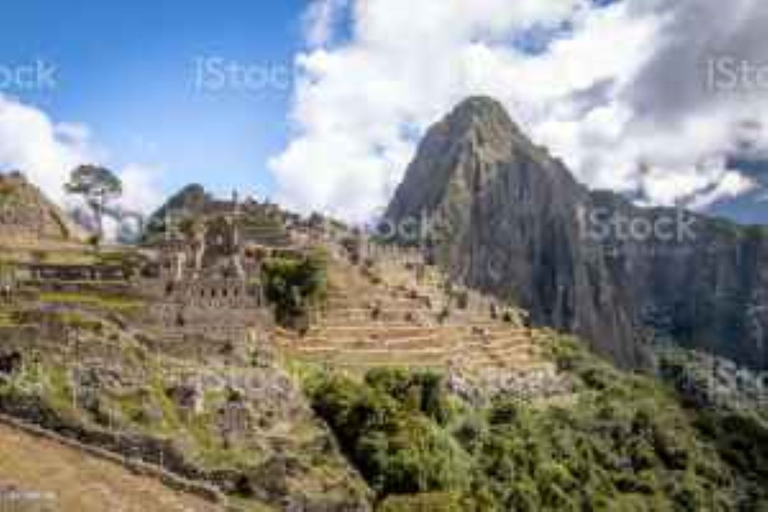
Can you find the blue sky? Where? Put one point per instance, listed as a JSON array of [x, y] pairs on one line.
[[605, 85], [127, 71]]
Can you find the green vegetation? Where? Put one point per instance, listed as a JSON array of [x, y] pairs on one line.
[[9, 318], [294, 285], [106, 302], [390, 437], [624, 443], [151, 410], [706, 380], [130, 261], [7, 269]]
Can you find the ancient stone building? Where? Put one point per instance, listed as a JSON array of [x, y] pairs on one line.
[[207, 281]]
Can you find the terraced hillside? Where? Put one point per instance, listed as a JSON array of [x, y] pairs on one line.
[[68, 366], [393, 311]]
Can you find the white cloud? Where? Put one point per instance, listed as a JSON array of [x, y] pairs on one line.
[[141, 192], [731, 184], [623, 89], [47, 151]]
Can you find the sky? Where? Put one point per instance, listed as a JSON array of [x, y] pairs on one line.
[[127, 75], [320, 104]]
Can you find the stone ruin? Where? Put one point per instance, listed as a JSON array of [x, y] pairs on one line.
[[203, 285], [207, 282]]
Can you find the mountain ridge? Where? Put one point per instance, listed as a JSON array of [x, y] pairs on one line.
[[510, 219]]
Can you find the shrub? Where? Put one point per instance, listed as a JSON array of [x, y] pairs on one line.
[[397, 448], [293, 286], [420, 391]]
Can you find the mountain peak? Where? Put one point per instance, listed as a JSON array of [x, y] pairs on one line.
[[483, 113], [466, 152], [480, 107], [506, 217]]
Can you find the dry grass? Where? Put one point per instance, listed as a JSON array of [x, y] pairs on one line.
[[72, 481]]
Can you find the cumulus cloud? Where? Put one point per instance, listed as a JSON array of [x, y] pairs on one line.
[[46, 152], [624, 93], [141, 192]]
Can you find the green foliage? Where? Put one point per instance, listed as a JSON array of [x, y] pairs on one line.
[[625, 443], [294, 285], [94, 183], [421, 392], [398, 449]]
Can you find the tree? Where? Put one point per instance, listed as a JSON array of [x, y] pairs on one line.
[[98, 186]]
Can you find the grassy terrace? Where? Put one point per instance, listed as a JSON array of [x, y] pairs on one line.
[[57, 255], [8, 318], [60, 253], [111, 303]]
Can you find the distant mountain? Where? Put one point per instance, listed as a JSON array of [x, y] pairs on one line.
[[506, 217], [26, 214], [752, 206]]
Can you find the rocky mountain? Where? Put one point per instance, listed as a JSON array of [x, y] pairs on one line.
[[25, 213], [504, 216]]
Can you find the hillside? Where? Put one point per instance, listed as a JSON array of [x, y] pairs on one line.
[[56, 477], [393, 311], [291, 364], [383, 393], [509, 219], [27, 216], [622, 442]]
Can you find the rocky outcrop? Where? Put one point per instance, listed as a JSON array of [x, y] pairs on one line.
[[502, 215], [239, 431], [25, 213]]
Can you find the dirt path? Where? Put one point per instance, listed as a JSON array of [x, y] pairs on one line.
[[53, 477]]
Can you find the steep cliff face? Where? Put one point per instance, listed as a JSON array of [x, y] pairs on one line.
[[502, 215]]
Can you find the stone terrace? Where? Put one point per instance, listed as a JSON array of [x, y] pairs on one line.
[[399, 312]]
